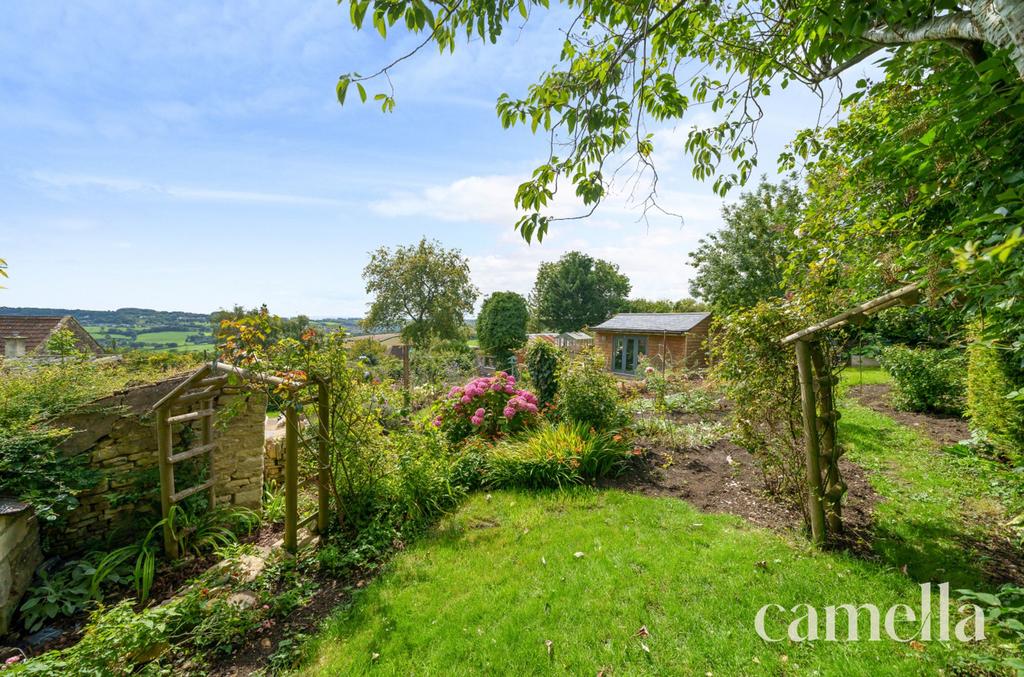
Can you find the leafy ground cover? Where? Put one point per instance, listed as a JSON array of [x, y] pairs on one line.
[[618, 582]]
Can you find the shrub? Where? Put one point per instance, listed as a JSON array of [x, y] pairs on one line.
[[501, 324], [422, 485], [758, 376], [926, 379], [587, 392], [486, 406], [33, 469], [995, 415], [556, 456], [542, 360], [442, 362]]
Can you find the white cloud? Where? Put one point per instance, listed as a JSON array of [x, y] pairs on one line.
[[63, 182]]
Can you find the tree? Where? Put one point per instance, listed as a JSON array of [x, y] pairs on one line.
[[743, 263], [64, 344], [501, 326], [577, 291], [684, 305], [423, 288], [624, 62]]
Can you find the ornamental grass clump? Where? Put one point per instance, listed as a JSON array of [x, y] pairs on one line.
[[488, 406]]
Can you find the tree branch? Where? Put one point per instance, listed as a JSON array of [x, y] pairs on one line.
[[955, 26]]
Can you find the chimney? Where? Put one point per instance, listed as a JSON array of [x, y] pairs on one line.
[[14, 346]]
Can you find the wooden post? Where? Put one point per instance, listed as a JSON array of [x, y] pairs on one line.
[[834, 487], [810, 415], [405, 367], [323, 413], [207, 438], [164, 444], [291, 479]]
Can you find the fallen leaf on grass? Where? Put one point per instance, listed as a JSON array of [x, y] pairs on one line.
[[642, 632], [578, 555], [916, 646], [646, 648], [550, 647], [374, 657]]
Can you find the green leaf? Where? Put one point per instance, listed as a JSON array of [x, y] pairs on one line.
[[362, 91], [342, 89], [929, 136]]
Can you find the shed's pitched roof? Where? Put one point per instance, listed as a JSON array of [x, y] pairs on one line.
[[577, 335], [656, 323], [37, 329]]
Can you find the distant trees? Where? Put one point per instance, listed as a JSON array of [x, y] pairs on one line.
[[684, 305], [423, 288], [577, 291], [501, 326], [277, 327], [743, 263]]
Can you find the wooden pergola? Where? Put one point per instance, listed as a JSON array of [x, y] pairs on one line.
[[817, 399], [197, 399]]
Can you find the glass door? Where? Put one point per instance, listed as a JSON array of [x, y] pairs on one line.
[[626, 353]]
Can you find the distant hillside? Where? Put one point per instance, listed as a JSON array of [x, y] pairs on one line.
[[121, 316]]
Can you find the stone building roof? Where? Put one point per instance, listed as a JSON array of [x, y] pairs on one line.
[[36, 330], [654, 323]]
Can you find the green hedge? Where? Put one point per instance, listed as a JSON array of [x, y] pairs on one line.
[[991, 375], [925, 379]]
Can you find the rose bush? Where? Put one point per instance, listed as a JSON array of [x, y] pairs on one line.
[[486, 406]]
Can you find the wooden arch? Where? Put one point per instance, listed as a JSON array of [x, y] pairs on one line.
[[198, 398], [825, 486]]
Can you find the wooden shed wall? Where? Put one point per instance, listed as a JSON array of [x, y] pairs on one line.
[[690, 348]]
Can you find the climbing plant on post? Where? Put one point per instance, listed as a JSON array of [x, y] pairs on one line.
[[816, 368]]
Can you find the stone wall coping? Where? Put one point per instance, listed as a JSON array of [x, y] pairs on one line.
[[10, 506]]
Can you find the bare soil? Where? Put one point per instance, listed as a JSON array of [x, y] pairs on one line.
[[725, 478], [944, 429]]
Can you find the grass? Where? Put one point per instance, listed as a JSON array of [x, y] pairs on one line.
[[485, 591], [936, 503], [855, 376]]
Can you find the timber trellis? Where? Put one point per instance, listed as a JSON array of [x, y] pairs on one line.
[[198, 399], [825, 487]]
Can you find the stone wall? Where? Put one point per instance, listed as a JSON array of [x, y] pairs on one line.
[[19, 556], [118, 434]]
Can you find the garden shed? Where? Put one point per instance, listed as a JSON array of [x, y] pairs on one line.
[[678, 338]]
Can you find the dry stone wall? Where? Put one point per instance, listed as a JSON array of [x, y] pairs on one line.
[[118, 435], [19, 556]]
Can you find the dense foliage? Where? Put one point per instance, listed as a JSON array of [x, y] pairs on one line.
[[577, 291], [556, 456], [542, 363], [760, 380], [587, 391], [743, 262], [997, 415], [683, 305], [424, 288], [501, 325], [926, 379], [487, 406]]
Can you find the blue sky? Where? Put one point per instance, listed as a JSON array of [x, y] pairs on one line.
[[190, 155]]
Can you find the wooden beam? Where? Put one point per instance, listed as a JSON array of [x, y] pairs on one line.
[[191, 416], [192, 453], [207, 394], [253, 376], [812, 454], [867, 308], [185, 493], [179, 389], [291, 479], [164, 445], [323, 413]]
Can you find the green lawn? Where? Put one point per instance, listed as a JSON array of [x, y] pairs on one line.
[[486, 590], [937, 505], [165, 336], [855, 376]]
